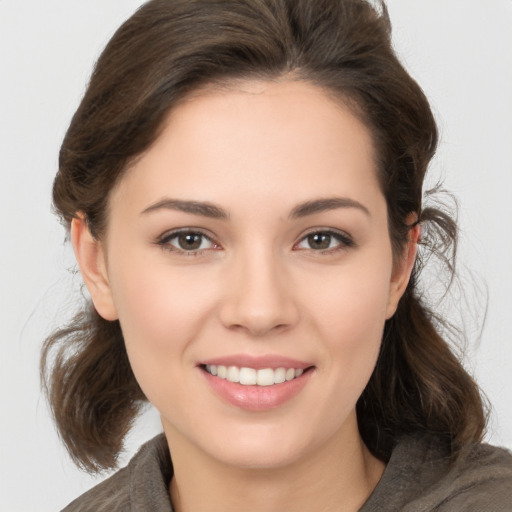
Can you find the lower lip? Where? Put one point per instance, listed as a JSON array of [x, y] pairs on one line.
[[257, 398]]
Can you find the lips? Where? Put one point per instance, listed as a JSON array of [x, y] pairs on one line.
[[256, 383], [257, 362]]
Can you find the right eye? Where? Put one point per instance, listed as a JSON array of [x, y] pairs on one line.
[[187, 241]]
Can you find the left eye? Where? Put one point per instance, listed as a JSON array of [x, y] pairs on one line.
[[324, 240], [188, 241]]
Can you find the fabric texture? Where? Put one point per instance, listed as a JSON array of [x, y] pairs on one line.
[[418, 478]]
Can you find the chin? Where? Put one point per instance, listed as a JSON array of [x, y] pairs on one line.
[[261, 459], [263, 449]]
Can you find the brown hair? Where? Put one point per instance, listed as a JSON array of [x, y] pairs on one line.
[[170, 48]]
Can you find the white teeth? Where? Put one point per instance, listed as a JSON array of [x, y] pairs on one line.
[[251, 377], [248, 376], [265, 377], [280, 375], [233, 374]]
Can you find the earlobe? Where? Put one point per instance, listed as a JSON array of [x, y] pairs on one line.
[[403, 270], [90, 256]]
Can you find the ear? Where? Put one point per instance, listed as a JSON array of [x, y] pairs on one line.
[[403, 268], [90, 256]]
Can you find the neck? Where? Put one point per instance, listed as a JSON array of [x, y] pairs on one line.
[[338, 477]]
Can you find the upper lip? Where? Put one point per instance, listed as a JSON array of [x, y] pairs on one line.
[[272, 361]]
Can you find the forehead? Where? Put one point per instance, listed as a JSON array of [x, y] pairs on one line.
[[256, 140]]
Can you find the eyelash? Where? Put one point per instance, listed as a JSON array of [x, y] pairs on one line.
[[343, 239]]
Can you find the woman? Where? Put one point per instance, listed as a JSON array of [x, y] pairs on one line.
[[243, 186]]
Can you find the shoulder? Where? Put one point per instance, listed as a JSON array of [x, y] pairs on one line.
[[421, 477], [141, 485], [481, 479], [111, 494]]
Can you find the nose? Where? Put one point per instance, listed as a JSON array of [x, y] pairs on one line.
[[259, 295]]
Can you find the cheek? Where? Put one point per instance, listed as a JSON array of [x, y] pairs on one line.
[[155, 298], [350, 315], [161, 310], [354, 298]]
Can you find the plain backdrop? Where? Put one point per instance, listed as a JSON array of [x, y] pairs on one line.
[[460, 51]]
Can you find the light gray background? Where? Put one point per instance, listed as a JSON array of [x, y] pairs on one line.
[[459, 50]]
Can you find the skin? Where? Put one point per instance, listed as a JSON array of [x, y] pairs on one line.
[[256, 286]]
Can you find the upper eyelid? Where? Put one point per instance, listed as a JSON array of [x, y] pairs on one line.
[[175, 232], [321, 229], [202, 231], [329, 231]]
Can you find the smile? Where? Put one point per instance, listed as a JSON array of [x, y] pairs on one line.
[[252, 377]]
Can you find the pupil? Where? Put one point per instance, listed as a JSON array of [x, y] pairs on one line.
[[190, 241], [319, 241]]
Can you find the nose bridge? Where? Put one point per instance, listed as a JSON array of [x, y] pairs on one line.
[[259, 297]]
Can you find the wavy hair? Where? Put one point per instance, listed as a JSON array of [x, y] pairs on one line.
[[167, 50]]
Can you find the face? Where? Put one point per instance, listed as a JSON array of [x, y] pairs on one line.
[[250, 244]]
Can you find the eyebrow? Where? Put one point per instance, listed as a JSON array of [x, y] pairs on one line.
[[326, 204], [194, 207], [210, 210]]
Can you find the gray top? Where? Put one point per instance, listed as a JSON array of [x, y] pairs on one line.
[[418, 478]]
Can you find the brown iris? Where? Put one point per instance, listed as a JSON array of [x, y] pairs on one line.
[[190, 241], [319, 240]]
